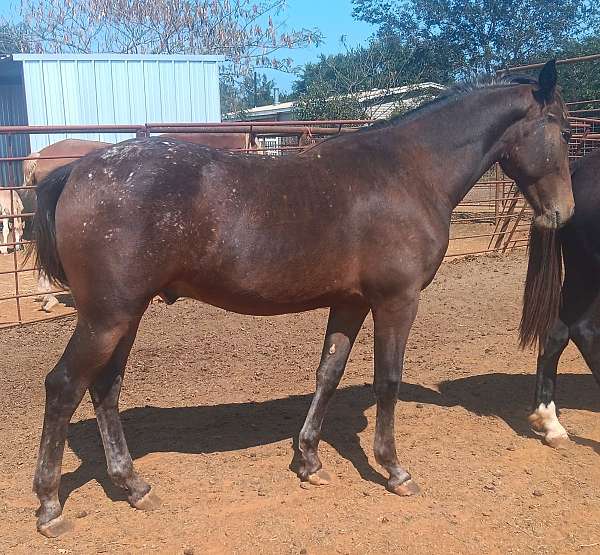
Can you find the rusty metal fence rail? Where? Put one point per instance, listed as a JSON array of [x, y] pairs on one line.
[[493, 217]]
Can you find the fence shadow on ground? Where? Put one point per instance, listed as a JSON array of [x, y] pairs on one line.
[[234, 426]]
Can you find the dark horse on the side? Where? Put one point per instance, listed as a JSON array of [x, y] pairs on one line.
[[578, 244], [359, 223]]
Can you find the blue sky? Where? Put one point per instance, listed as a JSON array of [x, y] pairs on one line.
[[332, 17], [7, 8]]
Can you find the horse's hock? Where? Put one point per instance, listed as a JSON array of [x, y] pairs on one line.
[[492, 218]]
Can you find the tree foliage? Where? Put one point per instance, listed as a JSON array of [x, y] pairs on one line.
[[237, 97], [319, 103], [328, 88], [246, 32], [581, 81], [482, 35]]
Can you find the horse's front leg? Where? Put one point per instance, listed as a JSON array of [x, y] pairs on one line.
[[393, 319], [544, 420], [18, 232], [342, 328], [5, 234]]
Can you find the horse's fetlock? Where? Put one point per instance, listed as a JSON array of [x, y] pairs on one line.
[[120, 476], [308, 439]]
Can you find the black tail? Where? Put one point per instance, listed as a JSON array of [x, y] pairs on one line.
[[44, 229], [543, 286]]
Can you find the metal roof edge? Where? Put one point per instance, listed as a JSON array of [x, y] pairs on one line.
[[110, 56]]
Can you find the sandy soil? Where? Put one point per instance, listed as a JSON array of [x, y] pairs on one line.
[[212, 402], [27, 281]]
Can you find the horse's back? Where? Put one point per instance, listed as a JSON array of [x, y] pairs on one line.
[[234, 141]]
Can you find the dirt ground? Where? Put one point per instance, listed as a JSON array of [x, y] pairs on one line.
[[212, 402], [27, 281]]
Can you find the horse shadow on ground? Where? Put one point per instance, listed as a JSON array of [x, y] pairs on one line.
[[235, 426]]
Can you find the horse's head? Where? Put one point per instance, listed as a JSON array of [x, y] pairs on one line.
[[536, 154]]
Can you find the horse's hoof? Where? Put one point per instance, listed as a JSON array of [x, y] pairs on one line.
[[55, 527], [319, 478], [406, 489], [50, 304], [149, 502], [560, 442]]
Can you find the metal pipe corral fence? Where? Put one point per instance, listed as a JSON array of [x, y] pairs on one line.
[[493, 217]]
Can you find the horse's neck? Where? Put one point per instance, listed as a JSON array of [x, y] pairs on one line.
[[464, 137]]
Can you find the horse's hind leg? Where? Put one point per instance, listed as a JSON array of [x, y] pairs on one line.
[[88, 351], [105, 393], [586, 335], [393, 319], [342, 328], [544, 419]]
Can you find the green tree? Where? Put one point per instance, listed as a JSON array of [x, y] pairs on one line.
[[320, 102], [328, 89], [581, 81], [239, 96], [473, 36]]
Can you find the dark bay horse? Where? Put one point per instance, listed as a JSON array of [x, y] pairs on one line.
[[579, 316], [359, 223], [40, 164]]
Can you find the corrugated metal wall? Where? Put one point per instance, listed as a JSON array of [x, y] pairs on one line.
[[13, 111], [109, 89]]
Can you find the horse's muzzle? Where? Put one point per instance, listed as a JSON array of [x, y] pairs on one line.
[[554, 219]]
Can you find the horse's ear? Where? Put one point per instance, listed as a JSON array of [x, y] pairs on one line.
[[547, 81]]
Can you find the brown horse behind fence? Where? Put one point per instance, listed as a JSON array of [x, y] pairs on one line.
[[359, 223]]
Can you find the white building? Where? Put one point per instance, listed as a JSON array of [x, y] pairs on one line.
[[378, 103]]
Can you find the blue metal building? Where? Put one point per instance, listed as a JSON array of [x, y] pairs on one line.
[[103, 89]]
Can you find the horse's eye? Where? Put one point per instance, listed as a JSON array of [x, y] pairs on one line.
[[566, 135]]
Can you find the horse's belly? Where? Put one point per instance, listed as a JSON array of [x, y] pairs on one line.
[[257, 302]]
